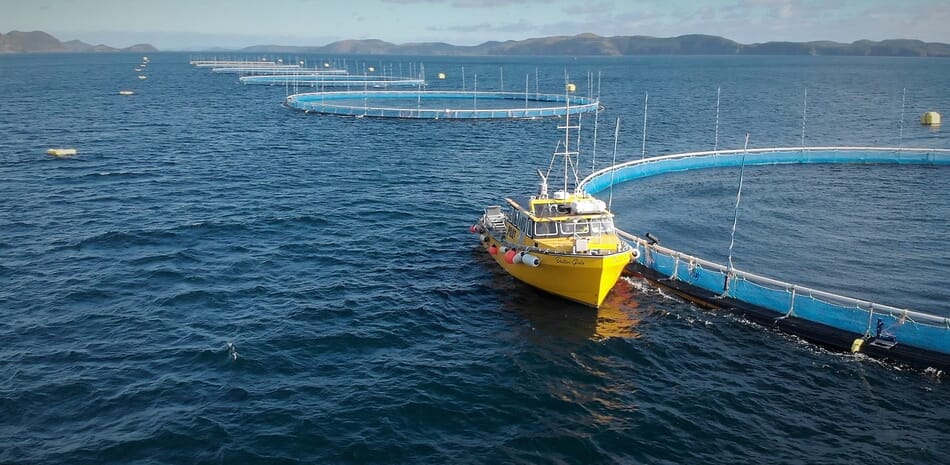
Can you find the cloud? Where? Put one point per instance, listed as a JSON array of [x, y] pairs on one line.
[[598, 8], [468, 3], [745, 21], [491, 3], [518, 26], [412, 2]]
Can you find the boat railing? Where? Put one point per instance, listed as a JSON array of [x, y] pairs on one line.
[[494, 218]]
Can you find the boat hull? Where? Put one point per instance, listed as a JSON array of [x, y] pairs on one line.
[[586, 279]]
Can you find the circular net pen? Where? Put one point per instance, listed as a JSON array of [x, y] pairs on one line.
[[922, 339], [441, 104], [328, 80]]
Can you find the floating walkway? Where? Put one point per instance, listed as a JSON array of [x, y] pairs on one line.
[[270, 69], [324, 79], [231, 63], [881, 331], [441, 104], [288, 70]]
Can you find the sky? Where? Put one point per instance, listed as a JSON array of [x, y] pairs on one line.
[[203, 24]]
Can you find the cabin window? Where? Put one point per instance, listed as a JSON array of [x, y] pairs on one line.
[[524, 224], [545, 228], [572, 228], [601, 225], [545, 209]]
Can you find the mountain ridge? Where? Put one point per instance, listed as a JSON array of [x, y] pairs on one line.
[[584, 44], [42, 42], [588, 44]]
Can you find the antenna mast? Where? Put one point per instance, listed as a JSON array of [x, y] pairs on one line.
[[804, 115], [735, 216], [643, 150], [613, 166], [716, 142], [569, 167]]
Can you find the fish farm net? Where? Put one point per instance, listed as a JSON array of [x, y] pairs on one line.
[[442, 104]]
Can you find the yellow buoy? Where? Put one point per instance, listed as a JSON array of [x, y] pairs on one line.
[[930, 118], [61, 152], [856, 345], [441, 75], [571, 87]]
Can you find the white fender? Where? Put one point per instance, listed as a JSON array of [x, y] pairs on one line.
[[635, 255], [531, 260]]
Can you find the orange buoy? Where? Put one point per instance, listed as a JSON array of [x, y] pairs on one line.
[[492, 249], [510, 255]]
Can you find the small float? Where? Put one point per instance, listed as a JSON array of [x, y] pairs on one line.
[[126, 92], [62, 152], [930, 118]]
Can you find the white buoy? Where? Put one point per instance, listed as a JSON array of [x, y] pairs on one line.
[[62, 152], [126, 92], [930, 118], [530, 260]]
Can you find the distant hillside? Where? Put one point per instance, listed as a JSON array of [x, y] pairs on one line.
[[41, 42], [592, 44]]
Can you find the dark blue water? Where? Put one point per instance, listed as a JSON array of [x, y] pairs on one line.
[[218, 279]]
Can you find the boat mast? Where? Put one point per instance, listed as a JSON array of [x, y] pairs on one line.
[[569, 167]]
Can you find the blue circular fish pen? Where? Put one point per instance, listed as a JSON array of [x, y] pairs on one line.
[[441, 104], [847, 323]]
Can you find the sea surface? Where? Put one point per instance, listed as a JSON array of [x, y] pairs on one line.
[[215, 278]]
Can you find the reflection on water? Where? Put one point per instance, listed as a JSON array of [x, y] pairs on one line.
[[552, 316], [619, 315]]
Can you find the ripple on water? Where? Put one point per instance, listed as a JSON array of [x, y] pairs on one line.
[[281, 288]]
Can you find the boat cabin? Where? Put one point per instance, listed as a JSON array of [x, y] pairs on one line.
[[574, 222]]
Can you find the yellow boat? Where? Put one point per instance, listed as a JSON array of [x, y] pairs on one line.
[[564, 243]]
